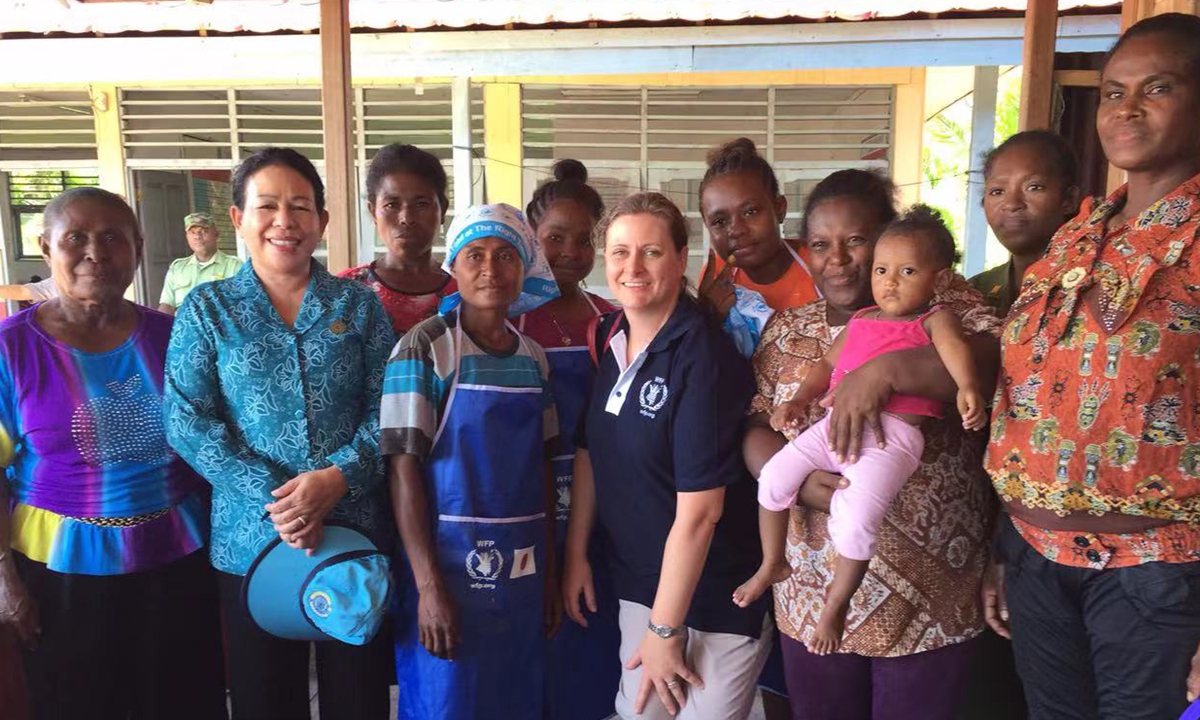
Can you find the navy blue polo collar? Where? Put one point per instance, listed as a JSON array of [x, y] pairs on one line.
[[686, 315]]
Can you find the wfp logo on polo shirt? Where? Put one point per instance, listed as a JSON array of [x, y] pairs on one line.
[[653, 396]]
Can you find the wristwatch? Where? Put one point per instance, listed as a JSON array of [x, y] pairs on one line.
[[664, 631]]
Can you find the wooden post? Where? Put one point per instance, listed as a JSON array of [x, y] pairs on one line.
[[908, 136], [1188, 7], [110, 146], [338, 138], [110, 161], [1134, 10], [1037, 60]]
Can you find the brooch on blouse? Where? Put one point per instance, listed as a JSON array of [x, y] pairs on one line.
[[337, 327], [1073, 277]]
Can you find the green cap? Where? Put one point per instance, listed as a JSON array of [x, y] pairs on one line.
[[198, 219]]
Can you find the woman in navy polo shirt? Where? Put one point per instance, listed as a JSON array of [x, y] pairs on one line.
[[659, 464]]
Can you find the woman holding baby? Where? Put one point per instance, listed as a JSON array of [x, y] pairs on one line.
[[908, 631]]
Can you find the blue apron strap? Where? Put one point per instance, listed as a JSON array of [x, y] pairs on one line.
[[453, 381]]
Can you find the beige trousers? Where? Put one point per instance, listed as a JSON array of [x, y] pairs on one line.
[[728, 664]]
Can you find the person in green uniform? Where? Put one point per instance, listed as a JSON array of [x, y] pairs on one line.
[[205, 264], [1030, 189]]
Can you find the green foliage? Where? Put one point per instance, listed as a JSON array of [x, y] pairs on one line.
[[35, 188], [946, 153], [1008, 106]]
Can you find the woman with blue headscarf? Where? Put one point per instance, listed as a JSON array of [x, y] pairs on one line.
[[469, 426]]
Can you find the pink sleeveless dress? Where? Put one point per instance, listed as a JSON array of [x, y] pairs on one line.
[[868, 338]]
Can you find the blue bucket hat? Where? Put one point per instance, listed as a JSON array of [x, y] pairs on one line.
[[341, 592], [509, 224]]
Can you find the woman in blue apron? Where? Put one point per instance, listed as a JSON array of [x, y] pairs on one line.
[[583, 666], [469, 425]]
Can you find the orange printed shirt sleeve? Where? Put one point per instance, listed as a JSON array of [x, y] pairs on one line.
[[1098, 405], [795, 289]]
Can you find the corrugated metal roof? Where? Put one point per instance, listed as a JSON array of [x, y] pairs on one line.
[[263, 16]]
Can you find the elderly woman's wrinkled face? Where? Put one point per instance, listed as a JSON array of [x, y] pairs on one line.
[[93, 249], [281, 223], [489, 273]]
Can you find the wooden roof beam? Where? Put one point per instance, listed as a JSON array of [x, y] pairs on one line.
[[1037, 61]]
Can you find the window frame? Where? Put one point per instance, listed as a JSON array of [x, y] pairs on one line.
[[49, 186]]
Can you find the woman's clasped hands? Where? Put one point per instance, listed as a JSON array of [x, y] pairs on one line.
[[302, 503]]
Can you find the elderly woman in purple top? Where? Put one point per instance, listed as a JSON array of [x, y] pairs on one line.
[[102, 527]]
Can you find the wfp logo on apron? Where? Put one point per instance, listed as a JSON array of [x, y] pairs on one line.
[[484, 565], [562, 506]]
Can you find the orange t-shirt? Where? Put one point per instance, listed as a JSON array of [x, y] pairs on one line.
[[1098, 407], [794, 289]]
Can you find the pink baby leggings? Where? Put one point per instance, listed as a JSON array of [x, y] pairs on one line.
[[855, 512]]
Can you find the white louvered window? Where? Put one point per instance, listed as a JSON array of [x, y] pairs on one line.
[[215, 128], [657, 138], [46, 130], [202, 131]]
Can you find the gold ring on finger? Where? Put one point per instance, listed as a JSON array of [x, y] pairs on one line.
[[303, 522]]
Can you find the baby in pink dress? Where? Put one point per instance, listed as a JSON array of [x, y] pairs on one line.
[[912, 261]]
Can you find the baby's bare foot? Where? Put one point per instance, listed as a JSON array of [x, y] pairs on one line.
[[760, 582], [827, 638]]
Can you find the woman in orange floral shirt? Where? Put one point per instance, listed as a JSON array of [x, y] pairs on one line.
[[1095, 443]]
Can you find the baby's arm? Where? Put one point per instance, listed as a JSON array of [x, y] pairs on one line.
[[946, 332], [815, 383]]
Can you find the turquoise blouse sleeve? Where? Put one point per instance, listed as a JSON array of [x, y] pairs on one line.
[[360, 459], [195, 417]]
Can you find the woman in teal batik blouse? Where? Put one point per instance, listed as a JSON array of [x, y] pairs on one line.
[[272, 394]]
